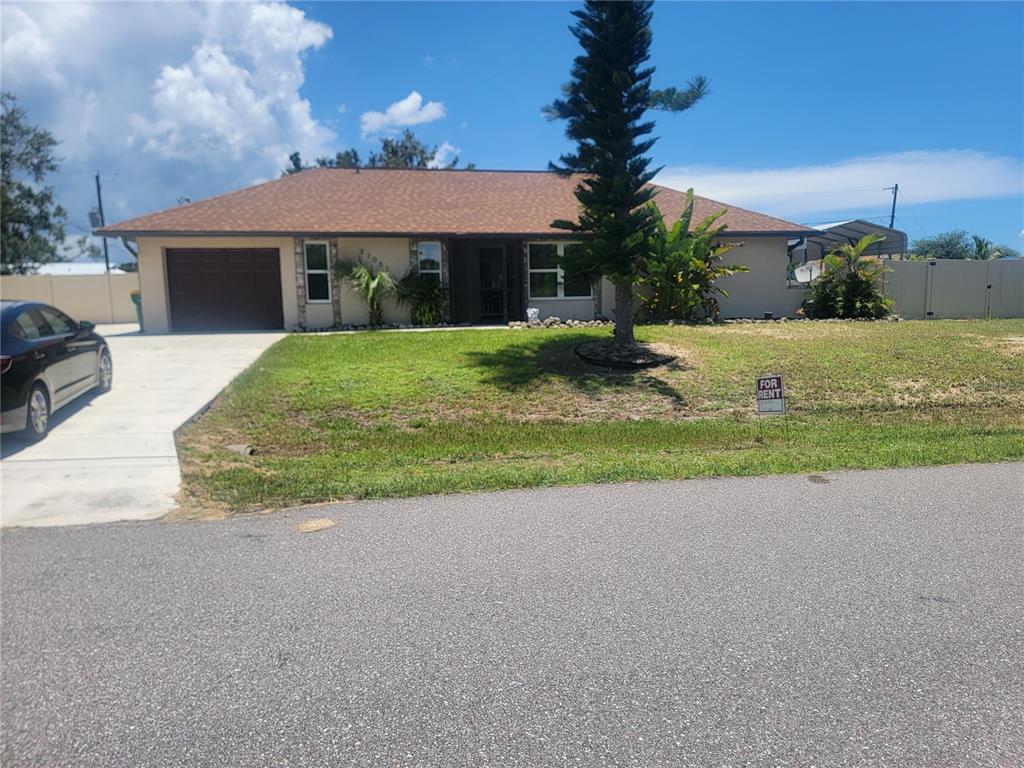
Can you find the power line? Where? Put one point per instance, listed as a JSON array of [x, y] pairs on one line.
[[910, 208]]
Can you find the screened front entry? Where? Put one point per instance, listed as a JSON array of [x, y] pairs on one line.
[[486, 281]]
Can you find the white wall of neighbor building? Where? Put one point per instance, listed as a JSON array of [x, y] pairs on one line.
[[102, 298]]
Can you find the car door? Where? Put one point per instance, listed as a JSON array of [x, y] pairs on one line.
[[47, 352], [82, 348], [52, 351]]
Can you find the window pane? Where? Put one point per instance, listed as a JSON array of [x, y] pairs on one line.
[[543, 255], [434, 277], [24, 328], [59, 322], [429, 250], [317, 288], [427, 265], [543, 285], [576, 286], [570, 249], [316, 256]]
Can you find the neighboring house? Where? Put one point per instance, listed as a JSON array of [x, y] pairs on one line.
[[261, 257]]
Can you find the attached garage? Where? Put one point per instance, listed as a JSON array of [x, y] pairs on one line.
[[224, 289]]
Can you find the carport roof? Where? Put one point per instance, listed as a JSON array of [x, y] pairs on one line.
[[852, 230], [380, 201]]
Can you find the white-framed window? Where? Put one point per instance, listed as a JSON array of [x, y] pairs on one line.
[[428, 259], [316, 254], [548, 280]]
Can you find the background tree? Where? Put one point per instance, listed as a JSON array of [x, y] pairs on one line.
[[954, 244], [604, 105], [958, 244], [405, 151], [985, 249], [31, 222]]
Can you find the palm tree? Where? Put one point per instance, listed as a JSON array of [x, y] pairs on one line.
[[370, 284], [849, 285], [984, 249]]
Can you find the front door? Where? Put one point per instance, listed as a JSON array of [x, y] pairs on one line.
[[492, 284], [486, 281]]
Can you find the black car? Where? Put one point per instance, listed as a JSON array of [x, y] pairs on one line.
[[46, 361]]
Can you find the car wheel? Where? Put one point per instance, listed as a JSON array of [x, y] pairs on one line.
[[105, 374], [37, 424]]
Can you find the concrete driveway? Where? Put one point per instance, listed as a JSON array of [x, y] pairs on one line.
[[112, 457]]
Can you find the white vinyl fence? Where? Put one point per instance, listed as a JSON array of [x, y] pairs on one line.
[[947, 288], [101, 298]]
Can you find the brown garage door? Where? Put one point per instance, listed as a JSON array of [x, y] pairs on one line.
[[221, 289]]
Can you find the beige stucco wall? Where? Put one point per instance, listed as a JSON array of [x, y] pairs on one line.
[[153, 274], [98, 298], [763, 288], [751, 294], [393, 254]]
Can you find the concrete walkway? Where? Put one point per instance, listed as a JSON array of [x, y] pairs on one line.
[[112, 457]]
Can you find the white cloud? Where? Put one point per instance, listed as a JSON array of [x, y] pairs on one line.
[[409, 111], [164, 99], [238, 95], [926, 176], [444, 155]]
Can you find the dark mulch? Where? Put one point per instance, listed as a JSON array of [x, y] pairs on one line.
[[612, 355]]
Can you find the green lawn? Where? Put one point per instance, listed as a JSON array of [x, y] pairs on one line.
[[395, 414]]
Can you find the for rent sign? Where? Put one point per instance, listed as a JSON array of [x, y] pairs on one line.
[[770, 397]]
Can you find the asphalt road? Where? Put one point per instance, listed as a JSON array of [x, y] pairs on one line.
[[867, 618]]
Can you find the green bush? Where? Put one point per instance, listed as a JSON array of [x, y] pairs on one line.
[[424, 297], [850, 286], [681, 268]]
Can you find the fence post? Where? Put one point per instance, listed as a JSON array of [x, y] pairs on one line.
[[929, 282]]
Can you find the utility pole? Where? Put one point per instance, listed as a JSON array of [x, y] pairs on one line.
[[892, 216], [99, 200]]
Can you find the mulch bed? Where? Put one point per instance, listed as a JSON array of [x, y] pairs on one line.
[[611, 355]]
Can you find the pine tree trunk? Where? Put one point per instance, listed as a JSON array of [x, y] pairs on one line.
[[624, 314]]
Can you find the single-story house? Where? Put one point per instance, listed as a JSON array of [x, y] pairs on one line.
[[262, 257]]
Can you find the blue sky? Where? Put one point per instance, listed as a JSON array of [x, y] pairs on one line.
[[814, 107]]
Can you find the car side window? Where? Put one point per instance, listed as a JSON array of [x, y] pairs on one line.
[[24, 327], [58, 321]]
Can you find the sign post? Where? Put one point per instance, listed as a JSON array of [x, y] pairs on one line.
[[771, 400]]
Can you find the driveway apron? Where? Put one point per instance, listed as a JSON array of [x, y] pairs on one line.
[[112, 456]]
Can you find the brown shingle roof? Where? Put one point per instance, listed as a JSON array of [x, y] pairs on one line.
[[388, 201]]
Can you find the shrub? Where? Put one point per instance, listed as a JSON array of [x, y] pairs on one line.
[[424, 297], [681, 268], [850, 286], [371, 283]]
